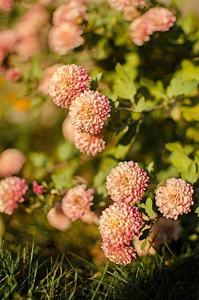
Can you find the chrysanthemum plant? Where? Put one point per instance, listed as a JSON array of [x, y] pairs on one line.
[[129, 90]]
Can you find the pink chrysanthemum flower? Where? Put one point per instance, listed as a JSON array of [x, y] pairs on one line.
[[121, 255], [121, 4], [38, 189], [138, 31], [45, 80], [127, 182], [130, 13], [6, 5], [13, 74], [119, 223], [158, 19], [77, 201], [57, 219], [11, 191], [70, 12], [89, 143], [89, 111], [11, 162], [174, 198], [65, 37], [8, 39], [67, 83]]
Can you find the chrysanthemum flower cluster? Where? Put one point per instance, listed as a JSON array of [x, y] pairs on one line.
[[75, 204], [66, 32], [155, 19], [88, 109], [120, 222], [11, 191], [174, 198]]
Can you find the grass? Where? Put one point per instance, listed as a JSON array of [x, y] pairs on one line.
[[27, 275]]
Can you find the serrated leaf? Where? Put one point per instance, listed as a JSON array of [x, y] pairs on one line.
[[124, 85], [191, 173], [174, 147], [181, 161], [109, 94], [178, 88], [190, 113], [141, 105]]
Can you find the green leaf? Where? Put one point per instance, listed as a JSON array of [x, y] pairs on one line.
[[190, 113], [124, 85], [109, 94], [145, 243], [121, 151], [178, 88], [191, 173], [130, 134], [174, 147], [141, 105], [149, 208], [150, 167], [181, 161], [197, 211]]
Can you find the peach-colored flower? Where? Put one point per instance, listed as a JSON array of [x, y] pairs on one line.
[[121, 255], [159, 19], [127, 182], [90, 217], [6, 5], [45, 80], [65, 37], [119, 223], [8, 40], [57, 219], [138, 31], [11, 162], [67, 83], [174, 198], [89, 143], [38, 189], [11, 191], [121, 4], [130, 13], [70, 12], [13, 74], [68, 130], [89, 111], [77, 201]]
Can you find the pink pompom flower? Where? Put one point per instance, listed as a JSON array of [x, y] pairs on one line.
[[38, 189], [138, 31], [70, 12], [174, 198], [11, 191], [57, 219], [127, 182], [13, 74], [65, 37], [121, 4], [67, 83], [89, 111], [119, 223], [11, 162], [77, 201], [89, 143], [121, 255], [6, 5], [159, 19]]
